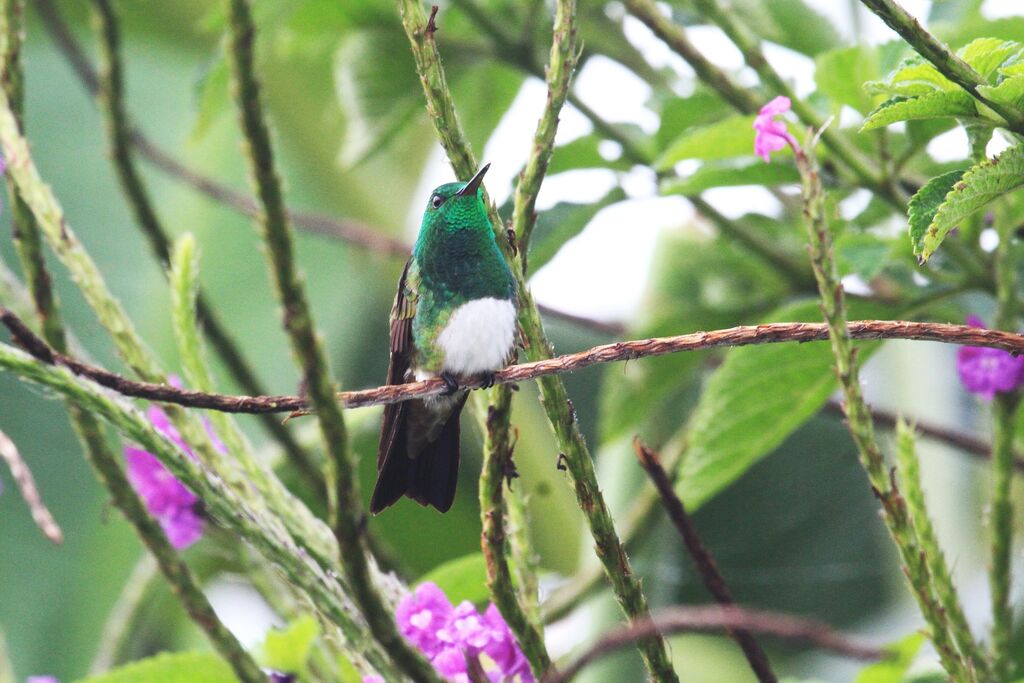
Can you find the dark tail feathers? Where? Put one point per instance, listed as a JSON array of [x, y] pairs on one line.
[[429, 478]]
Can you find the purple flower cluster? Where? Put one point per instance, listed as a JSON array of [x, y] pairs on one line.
[[449, 636], [174, 506], [987, 371]]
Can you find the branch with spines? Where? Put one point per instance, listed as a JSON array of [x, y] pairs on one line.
[[909, 478], [498, 443], [554, 398], [861, 427], [344, 503]]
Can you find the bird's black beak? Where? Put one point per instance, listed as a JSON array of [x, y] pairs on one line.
[[474, 183]]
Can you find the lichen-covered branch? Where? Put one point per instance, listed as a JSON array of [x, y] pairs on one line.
[[344, 502], [554, 397], [861, 426], [938, 570]]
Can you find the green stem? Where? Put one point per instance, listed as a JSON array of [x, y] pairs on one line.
[[6, 668], [942, 583], [344, 502], [560, 68], [554, 397], [1004, 412], [861, 424], [496, 467], [945, 60], [112, 100]]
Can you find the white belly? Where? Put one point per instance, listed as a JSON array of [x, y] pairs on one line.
[[479, 336]]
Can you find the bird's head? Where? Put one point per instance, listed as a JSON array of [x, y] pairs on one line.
[[458, 205]]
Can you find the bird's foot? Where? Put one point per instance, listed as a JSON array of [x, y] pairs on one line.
[[451, 385], [487, 378]]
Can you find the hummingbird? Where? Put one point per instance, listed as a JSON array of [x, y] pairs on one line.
[[454, 316]]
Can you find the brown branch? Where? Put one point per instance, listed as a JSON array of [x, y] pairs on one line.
[[712, 618], [29, 492], [744, 335], [702, 558]]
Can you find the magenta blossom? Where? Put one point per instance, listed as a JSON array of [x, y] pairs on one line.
[[167, 499], [41, 679], [449, 635], [772, 135], [986, 371]]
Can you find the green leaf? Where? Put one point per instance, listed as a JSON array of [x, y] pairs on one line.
[[732, 137], [731, 173], [1010, 91], [912, 78], [562, 222], [893, 670], [464, 578], [862, 254], [755, 400], [840, 72], [986, 55], [925, 203], [176, 667], [583, 152], [288, 649], [979, 186], [934, 105]]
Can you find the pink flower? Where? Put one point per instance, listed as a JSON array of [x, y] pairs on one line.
[[167, 499], [449, 636], [986, 371], [772, 135]]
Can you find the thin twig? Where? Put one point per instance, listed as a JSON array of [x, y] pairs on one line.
[[714, 618], [747, 335], [702, 558], [29, 492], [344, 503]]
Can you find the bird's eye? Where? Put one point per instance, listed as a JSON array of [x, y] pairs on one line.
[[436, 201]]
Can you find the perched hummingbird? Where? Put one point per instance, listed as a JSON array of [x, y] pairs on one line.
[[454, 316]]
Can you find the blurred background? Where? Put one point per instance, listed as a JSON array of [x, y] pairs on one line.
[[797, 531]]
